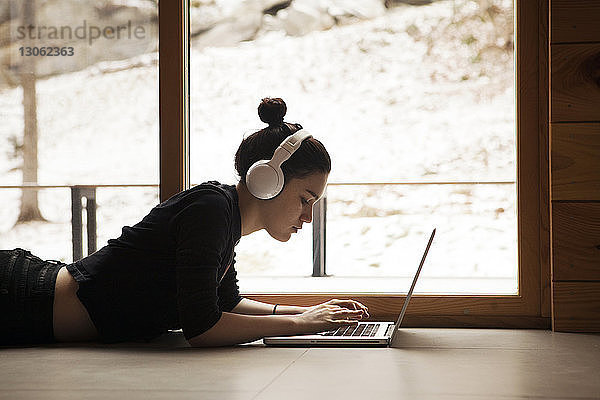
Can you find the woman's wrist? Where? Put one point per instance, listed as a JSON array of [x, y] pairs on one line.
[[281, 309]]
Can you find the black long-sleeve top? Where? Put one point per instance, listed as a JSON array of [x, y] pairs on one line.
[[172, 270]]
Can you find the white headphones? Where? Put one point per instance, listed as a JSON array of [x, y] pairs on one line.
[[265, 177]]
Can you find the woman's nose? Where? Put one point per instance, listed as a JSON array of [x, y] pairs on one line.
[[307, 215]]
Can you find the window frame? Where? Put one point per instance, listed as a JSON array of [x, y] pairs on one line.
[[531, 307]]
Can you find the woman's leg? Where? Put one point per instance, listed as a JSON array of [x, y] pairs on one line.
[[71, 320]]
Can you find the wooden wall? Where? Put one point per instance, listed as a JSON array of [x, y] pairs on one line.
[[575, 164]]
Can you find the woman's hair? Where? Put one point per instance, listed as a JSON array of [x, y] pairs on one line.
[[311, 156]]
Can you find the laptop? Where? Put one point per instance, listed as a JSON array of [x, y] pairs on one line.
[[364, 334]]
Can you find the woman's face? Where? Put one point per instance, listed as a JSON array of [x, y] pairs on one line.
[[294, 206]]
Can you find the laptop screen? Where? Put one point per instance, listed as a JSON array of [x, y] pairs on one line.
[[412, 287]]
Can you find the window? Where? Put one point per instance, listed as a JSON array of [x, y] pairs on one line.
[[530, 306], [79, 95]]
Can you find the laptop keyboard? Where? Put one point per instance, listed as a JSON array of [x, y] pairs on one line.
[[359, 330]]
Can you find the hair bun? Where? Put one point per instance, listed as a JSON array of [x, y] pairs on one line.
[[272, 110]]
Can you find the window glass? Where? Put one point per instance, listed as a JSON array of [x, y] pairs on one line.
[[79, 104], [397, 93]]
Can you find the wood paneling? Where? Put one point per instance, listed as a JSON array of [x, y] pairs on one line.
[[576, 306], [575, 164], [575, 161], [575, 21], [575, 241], [575, 82]]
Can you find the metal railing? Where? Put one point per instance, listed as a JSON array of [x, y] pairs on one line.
[[320, 215], [78, 192]]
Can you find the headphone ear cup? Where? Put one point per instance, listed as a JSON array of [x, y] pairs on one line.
[[280, 180], [263, 180]]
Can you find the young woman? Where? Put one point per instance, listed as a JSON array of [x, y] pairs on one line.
[[175, 268]]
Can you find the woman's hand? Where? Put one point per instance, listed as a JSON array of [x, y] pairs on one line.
[[331, 315], [350, 304]]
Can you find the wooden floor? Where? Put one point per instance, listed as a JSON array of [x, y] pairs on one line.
[[431, 364]]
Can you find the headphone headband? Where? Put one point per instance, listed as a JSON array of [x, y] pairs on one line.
[[290, 145]]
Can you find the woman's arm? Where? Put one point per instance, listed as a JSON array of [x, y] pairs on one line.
[[236, 328], [252, 307]]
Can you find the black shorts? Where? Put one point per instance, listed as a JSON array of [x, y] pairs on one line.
[[26, 297]]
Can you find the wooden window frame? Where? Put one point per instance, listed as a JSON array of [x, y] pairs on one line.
[[173, 65], [531, 307]]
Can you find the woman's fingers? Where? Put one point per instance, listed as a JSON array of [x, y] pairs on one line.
[[352, 304], [349, 312]]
